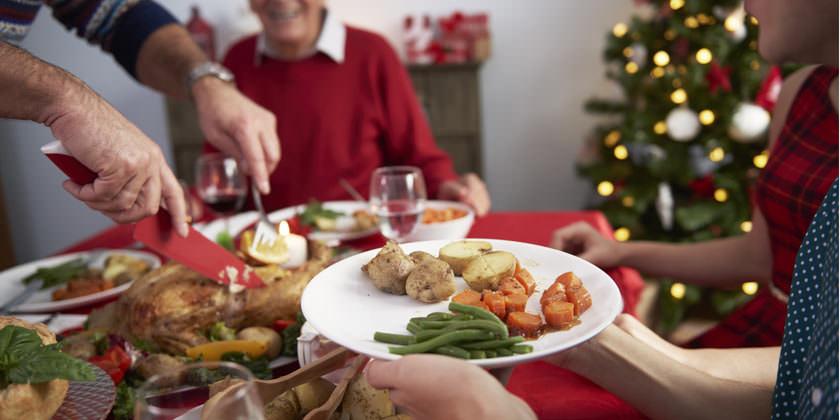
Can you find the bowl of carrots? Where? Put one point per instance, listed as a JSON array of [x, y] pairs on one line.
[[443, 220]]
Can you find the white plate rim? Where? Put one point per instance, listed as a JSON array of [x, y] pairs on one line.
[[308, 306], [18, 272]]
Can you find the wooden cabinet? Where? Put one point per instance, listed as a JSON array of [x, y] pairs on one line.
[[449, 95]]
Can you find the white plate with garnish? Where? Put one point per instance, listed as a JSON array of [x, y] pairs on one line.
[[12, 280], [344, 306]]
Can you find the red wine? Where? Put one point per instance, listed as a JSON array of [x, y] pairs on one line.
[[225, 203]]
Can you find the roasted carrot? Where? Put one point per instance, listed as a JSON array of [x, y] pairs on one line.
[[510, 286], [527, 281], [468, 297], [557, 292], [559, 314], [525, 323], [495, 302], [569, 280], [515, 303], [580, 298]]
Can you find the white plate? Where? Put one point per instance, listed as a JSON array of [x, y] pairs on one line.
[[41, 301], [242, 221], [344, 306]]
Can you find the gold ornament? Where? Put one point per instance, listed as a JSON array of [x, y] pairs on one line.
[[707, 117]]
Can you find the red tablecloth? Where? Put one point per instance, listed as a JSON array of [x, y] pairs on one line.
[[552, 392]]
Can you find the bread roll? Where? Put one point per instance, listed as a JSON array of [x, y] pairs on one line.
[[31, 401]]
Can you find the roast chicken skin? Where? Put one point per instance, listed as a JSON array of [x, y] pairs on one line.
[[173, 306]]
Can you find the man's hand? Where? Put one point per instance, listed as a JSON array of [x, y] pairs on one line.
[[133, 180], [583, 240], [238, 127], [438, 387], [470, 190]]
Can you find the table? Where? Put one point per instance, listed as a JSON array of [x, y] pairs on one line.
[[551, 392]]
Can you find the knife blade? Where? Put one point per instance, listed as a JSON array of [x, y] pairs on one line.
[[194, 251], [21, 297]]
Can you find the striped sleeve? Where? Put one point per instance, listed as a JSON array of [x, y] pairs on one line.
[[118, 26]]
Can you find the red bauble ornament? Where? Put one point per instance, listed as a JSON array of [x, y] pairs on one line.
[[718, 78], [703, 187], [768, 93]]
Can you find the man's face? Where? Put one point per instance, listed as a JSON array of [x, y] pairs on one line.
[[792, 30], [289, 23]]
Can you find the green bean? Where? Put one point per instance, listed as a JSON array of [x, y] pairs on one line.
[[389, 338], [478, 313], [463, 317], [442, 340], [413, 328], [440, 316], [503, 352], [477, 354], [481, 324], [453, 351], [490, 354], [522, 349], [494, 344], [426, 324]]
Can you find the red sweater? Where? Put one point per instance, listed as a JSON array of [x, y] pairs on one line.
[[339, 120]]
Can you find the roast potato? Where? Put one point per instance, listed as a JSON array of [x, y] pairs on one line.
[[432, 280], [158, 363], [283, 407], [273, 341], [389, 269], [364, 402], [488, 270], [458, 254]]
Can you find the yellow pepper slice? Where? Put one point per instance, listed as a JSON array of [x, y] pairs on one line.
[[213, 351]]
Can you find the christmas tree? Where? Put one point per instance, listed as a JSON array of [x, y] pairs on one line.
[[675, 158]]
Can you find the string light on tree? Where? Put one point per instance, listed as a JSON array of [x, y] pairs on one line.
[[707, 117], [749, 288], [628, 201], [721, 195], [717, 154], [621, 152], [622, 234], [760, 160], [670, 35], [703, 56], [691, 22], [605, 188], [677, 4], [661, 58], [754, 20], [612, 138], [679, 96], [631, 67], [677, 291], [619, 30], [746, 226], [657, 72], [660, 128]]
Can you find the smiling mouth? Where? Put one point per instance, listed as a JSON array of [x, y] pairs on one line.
[[283, 16]]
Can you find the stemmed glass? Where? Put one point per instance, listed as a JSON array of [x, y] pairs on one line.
[[221, 185], [172, 394], [397, 197]]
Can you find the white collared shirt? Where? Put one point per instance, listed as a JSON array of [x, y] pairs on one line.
[[330, 42]]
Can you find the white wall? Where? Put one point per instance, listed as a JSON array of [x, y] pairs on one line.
[[546, 62]]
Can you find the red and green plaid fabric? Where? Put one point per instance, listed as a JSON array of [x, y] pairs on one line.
[[802, 166]]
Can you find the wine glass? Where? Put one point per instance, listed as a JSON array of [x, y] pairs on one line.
[[220, 184], [172, 394], [397, 197]]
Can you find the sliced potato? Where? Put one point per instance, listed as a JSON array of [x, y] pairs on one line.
[[488, 270], [458, 254]]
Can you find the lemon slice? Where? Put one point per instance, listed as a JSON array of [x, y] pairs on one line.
[[266, 254]]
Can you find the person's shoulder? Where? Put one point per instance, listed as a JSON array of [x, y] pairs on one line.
[[241, 51], [370, 43]]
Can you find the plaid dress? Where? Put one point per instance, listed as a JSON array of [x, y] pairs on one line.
[[801, 168]]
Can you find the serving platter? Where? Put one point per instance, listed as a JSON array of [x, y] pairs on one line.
[[11, 283], [343, 305]]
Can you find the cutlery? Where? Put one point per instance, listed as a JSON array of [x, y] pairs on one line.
[[21, 297], [352, 191], [156, 232], [268, 389], [266, 233]]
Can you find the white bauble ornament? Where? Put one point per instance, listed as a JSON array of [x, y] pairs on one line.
[[640, 53], [665, 205], [749, 122], [682, 124]]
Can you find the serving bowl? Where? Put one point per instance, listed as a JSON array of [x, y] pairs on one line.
[[451, 230]]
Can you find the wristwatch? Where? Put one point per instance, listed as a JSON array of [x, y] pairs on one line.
[[208, 68]]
